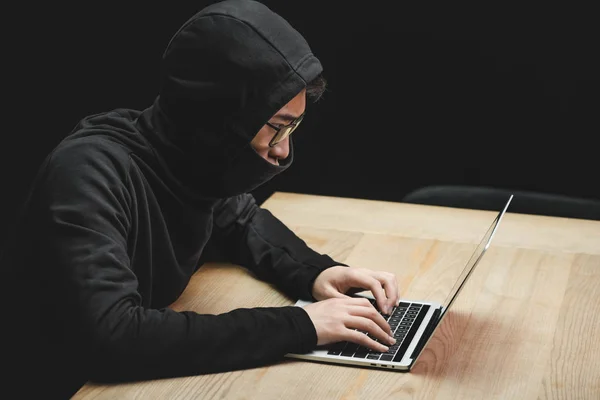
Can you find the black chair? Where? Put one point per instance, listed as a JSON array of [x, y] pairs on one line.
[[493, 199]]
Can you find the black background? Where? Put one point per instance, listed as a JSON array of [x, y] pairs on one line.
[[424, 94]]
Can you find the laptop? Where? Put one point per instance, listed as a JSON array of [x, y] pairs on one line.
[[412, 322]]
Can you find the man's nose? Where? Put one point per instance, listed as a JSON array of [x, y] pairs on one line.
[[281, 150]]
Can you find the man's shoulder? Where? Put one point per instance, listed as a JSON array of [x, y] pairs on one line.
[[89, 153], [82, 161]]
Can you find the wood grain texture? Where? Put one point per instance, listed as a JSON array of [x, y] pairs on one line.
[[432, 222], [573, 367], [525, 326]]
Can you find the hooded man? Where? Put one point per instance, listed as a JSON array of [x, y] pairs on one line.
[[124, 210]]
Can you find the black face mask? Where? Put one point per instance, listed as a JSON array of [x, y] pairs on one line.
[[248, 171]]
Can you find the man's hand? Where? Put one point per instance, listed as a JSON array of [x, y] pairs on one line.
[[338, 317], [335, 320], [338, 282]]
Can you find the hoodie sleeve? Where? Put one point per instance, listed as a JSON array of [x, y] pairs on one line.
[[254, 238], [84, 223]]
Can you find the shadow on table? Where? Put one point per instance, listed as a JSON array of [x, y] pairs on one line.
[[448, 339]]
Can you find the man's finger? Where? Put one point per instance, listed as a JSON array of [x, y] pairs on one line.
[[362, 339], [390, 286], [367, 281], [372, 314], [380, 295]]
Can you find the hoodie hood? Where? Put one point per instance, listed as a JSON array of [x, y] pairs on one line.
[[224, 74]]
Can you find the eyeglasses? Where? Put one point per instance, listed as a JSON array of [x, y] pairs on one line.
[[281, 132]]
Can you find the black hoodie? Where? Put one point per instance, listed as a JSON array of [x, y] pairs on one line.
[[123, 209]]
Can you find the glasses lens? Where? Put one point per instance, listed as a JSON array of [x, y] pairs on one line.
[[285, 132], [281, 135], [297, 122]]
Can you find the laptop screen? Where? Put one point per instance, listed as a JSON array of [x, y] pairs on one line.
[[474, 260]]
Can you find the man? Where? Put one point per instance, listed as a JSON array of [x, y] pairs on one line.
[[127, 206]]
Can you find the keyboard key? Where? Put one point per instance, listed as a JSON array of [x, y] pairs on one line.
[[361, 352], [350, 349], [387, 357], [374, 356], [336, 348]]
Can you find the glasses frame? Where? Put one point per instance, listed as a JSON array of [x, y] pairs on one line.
[[282, 132]]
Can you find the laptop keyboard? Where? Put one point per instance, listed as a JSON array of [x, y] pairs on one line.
[[404, 321]]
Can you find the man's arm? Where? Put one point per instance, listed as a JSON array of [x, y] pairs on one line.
[[84, 221], [254, 238]]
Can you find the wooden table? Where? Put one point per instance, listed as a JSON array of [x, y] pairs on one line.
[[526, 325]]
